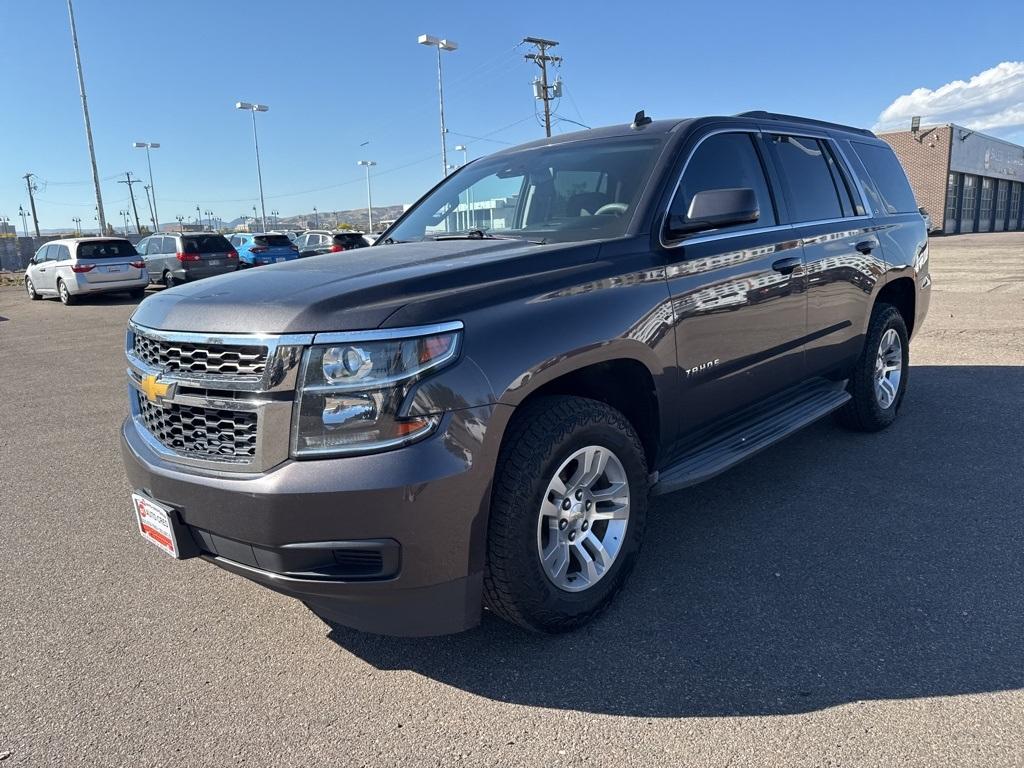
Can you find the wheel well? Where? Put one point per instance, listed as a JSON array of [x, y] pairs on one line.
[[900, 294], [625, 385]]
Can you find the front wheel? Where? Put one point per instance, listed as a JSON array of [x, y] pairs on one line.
[[879, 380], [31, 290], [567, 513]]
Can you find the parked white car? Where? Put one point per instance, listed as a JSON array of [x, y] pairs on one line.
[[77, 266]]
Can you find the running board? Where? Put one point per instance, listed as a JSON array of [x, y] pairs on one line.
[[726, 443]]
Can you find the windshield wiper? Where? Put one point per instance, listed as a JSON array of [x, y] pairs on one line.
[[479, 234]]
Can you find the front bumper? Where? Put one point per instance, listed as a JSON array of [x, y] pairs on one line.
[[429, 500]]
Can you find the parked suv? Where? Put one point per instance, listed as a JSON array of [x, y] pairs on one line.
[[475, 411], [316, 242], [174, 259], [71, 268], [257, 249]]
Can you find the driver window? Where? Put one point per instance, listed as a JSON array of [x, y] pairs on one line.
[[725, 161]]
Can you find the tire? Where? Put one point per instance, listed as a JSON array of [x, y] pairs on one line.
[[874, 406], [137, 293], [31, 290], [542, 440], [66, 297]]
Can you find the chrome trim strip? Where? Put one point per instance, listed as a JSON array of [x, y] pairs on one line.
[[227, 339], [385, 334]]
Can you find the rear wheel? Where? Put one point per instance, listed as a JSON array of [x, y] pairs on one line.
[[137, 293], [31, 290], [66, 297], [567, 513], [879, 380]]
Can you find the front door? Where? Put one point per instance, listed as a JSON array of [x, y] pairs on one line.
[[737, 292]]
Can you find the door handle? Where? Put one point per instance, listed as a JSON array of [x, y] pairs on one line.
[[866, 246], [785, 266]]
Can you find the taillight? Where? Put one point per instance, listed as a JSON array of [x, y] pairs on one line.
[[336, 248], [232, 254], [257, 249], [137, 264], [79, 268], [187, 256]]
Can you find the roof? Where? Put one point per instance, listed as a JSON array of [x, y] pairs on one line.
[[91, 238]]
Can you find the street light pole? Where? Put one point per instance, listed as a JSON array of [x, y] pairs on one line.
[[24, 220], [441, 45], [148, 146], [368, 164], [469, 190], [181, 222], [88, 124], [253, 109]]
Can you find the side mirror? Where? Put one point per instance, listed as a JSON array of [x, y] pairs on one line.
[[714, 209]]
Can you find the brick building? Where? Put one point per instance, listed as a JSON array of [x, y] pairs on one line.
[[968, 181]]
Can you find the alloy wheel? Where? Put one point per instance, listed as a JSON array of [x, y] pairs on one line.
[[583, 517], [888, 368]]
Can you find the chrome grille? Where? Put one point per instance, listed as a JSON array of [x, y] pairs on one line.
[[204, 432], [200, 359]]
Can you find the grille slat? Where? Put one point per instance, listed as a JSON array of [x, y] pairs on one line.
[[206, 432], [202, 359]]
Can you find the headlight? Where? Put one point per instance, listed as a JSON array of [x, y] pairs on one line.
[[352, 391]]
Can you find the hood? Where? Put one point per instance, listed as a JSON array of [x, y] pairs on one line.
[[350, 290]]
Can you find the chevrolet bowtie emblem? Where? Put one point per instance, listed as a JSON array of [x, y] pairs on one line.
[[153, 389]]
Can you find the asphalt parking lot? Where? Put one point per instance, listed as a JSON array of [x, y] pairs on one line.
[[839, 600]]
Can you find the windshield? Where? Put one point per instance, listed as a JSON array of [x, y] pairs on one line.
[[106, 249], [585, 190]]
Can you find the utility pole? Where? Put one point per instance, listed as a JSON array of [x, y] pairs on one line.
[[544, 91], [31, 200], [149, 202], [131, 191], [88, 125]]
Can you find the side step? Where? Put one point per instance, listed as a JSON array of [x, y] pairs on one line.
[[728, 442]]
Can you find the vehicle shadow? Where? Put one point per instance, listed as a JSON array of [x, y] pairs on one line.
[[834, 568]]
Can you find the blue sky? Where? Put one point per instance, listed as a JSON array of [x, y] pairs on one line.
[[337, 74]]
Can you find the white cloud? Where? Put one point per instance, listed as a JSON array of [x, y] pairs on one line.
[[992, 100]]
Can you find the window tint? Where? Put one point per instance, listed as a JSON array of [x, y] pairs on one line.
[[848, 198], [350, 240], [725, 161], [206, 244], [274, 240], [812, 189], [576, 192], [61, 253], [106, 249], [887, 173]]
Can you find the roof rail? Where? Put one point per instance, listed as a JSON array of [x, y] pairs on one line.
[[760, 114]]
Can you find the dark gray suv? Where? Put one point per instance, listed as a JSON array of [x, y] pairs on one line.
[[474, 411], [179, 258]]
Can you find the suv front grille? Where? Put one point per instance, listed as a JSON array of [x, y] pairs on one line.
[[201, 359], [202, 432]]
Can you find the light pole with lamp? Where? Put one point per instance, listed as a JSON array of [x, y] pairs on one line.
[[440, 45], [368, 164], [148, 145], [24, 219], [181, 223], [253, 109], [469, 192], [78, 225]]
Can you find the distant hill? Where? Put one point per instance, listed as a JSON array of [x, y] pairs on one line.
[[355, 218]]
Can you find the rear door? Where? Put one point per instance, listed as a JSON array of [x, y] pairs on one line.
[[737, 292], [213, 250], [841, 249], [111, 261]]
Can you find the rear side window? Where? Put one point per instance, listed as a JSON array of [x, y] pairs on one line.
[[273, 240], [725, 161], [106, 249], [206, 244], [887, 173], [61, 253], [805, 169]]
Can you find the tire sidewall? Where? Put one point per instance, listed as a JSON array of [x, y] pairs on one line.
[[30, 289], [527, 515], [888, 318], [63, 293]]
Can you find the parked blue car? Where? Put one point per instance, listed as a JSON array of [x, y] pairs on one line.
[[257, 249]]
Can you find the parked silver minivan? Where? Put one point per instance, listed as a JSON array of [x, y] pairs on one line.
[[76, 266], [179, 258]]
